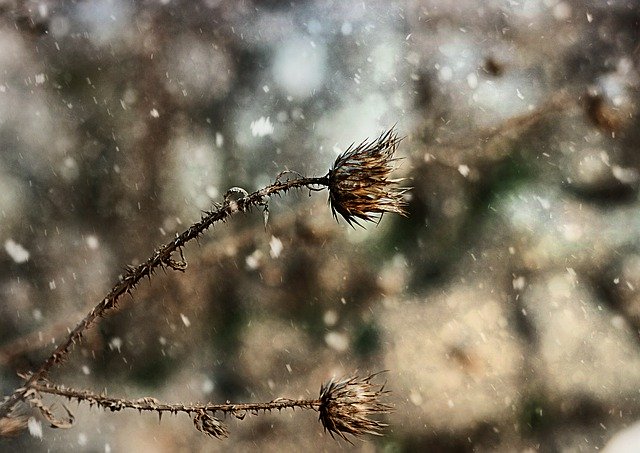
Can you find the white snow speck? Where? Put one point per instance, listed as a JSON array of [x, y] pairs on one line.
[[52, 285], [299, 66], [445, 74], [86, 370], [92, 242], [207, 386], [464, 170], [115, 343], [185, 320], [519, 283], [330, 318], [624, 440], [618, 322], [82, 439], [472, 80], [416, 398], [562, 11], [154, 113], [40, 78], [219, 140], [261, 127], [572, 231], [107, 448], [212, 192], [276, 247], [265, 88], [253, 260], [546, 204], [16, 251], [43, 10], [337, 341], [35, 427], [625, 175]]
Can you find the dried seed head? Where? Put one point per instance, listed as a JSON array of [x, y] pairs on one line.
[[359, 183], [345, 406], [211, 426], [12, 425]]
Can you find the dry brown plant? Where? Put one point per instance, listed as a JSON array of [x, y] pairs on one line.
[[359, 187]]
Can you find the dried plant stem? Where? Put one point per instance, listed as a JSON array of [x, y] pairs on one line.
[[344, 406], [161, 258], [48, 334], [360, 187], [152, 405]]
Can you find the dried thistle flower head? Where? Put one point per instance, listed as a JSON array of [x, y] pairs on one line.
[[359, 183], [346, 404]]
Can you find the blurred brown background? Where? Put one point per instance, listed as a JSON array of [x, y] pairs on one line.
[[506, 306]]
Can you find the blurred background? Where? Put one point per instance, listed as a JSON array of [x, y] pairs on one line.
[[505, 308]]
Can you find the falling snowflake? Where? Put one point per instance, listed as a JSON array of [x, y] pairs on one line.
[[276, 247], [261, 127], [35, 427], [16, 251]]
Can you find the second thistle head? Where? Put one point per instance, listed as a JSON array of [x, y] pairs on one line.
[[360, 186], [346, 405]]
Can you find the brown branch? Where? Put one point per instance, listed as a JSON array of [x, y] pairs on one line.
[[161, 258], [150, 404], [344, 406]]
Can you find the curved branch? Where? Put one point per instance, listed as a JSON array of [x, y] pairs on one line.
[[161, 258]]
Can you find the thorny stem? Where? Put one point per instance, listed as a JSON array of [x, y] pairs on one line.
[[153, 405], [360, 187], [161, 258], [345, 407]]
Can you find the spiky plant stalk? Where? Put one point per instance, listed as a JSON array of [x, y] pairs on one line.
[[360, 188], [344, 406]]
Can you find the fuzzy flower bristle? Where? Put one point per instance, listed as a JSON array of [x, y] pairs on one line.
[[345, 406], [360, 187]]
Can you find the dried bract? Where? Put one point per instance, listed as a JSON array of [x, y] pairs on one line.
[[35, 399], [345, 407], [210, 425], [359, 182]]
